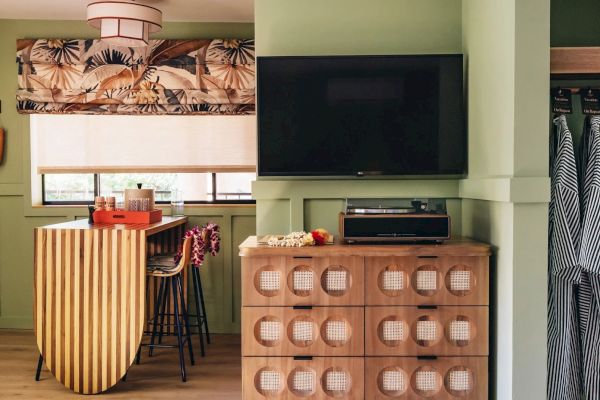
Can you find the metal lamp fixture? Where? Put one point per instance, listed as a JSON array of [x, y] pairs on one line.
[[124, 23]]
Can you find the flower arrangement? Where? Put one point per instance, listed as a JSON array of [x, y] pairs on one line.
[[205, 240], [318, 237]]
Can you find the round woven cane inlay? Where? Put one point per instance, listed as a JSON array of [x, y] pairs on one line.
[[302, 331], [336, 382], [336, 281], [460, 331], [460, 280], [302, 381], [392, 381], [269, 382], [336, 331], [392, 331], [268, 281], [268, 331], [426, 331], [459, 381], [392, 280], [426, 280], [301, 280], [426, 381]]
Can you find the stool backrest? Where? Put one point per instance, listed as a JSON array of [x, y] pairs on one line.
[[186, 253]]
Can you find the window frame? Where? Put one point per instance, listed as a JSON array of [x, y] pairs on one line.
[[97, 191]]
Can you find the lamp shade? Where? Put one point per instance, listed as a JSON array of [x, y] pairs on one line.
[[124, 23]]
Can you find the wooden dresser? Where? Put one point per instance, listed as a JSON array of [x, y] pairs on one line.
[[365, 321]]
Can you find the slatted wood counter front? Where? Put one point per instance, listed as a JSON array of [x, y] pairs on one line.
[[365, 321], [89, 296]]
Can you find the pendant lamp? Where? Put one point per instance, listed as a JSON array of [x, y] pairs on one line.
[[124, 23]]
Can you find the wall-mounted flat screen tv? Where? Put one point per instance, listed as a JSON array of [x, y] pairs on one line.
[[361, 116]]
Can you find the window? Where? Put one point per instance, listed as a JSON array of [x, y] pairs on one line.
[[198, 188], [210, 159]]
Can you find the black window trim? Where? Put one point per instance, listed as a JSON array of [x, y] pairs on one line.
[[97, 193]]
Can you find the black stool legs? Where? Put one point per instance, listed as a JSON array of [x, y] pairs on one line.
[[201, 319], [186, 321], [181, 323], [39, 368]]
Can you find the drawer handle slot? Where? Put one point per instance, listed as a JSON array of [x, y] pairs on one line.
[[302, 307], [303, 358], [427, 307], [302, 257], [426, 357], [427, 256]]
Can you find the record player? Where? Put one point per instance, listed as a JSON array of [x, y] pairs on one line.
[[394, 220]]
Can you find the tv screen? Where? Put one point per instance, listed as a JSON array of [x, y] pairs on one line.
[[361, 115]]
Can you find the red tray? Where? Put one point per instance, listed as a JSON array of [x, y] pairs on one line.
[[127, 217]]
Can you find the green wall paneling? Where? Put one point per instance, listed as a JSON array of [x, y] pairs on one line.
[[504, 199]]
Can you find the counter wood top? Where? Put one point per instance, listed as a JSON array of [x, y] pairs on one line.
[[83, 224], [454, 247]]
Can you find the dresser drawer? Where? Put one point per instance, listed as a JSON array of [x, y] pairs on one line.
[[414, 331], [410, 378], [290, 281], [289, 378], [286, 331], [427, 280]]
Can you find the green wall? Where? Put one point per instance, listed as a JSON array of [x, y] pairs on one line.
[[309, 27], [504, 199], [221, 275], [575, 23]]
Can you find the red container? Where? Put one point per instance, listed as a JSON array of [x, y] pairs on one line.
[[127, 217]]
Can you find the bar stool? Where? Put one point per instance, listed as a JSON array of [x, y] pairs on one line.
[[170, 275]]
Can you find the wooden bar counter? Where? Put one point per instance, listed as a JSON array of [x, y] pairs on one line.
[[90, 296]]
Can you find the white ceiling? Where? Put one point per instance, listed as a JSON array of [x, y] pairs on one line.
[[173, 10]]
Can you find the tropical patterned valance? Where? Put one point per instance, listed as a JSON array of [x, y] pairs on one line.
[[167, 77]]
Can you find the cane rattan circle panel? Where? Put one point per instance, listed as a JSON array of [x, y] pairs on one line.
[[426, 331], [268, 281], [460, 280], [268, 331], [336, 280], [336, 382], [460, 331], [269, 382], [426, 280], [302, 381], [392, 381], [392, 331], [426, 381], [392, 280], [459, 381], [302, 331], [301, 280], [336, 331]]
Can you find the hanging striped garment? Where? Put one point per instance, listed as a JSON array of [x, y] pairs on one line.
[[589, 258], [564, 345]]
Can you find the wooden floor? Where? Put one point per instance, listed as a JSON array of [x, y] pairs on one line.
[[216, 376]]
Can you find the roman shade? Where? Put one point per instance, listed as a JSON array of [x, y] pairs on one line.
[[166, 77], [132, 143]]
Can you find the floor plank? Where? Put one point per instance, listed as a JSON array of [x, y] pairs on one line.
[[216, 376]]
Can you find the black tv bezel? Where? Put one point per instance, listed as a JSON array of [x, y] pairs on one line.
[[362, 174]]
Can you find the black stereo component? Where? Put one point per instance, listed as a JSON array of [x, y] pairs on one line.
[[402, 220]]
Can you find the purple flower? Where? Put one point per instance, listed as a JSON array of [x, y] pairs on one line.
[[205, 240]]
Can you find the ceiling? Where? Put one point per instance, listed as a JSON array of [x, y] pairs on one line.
[[173, 10]]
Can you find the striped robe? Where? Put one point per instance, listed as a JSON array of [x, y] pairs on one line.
[[564, 346], [589, 257]]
